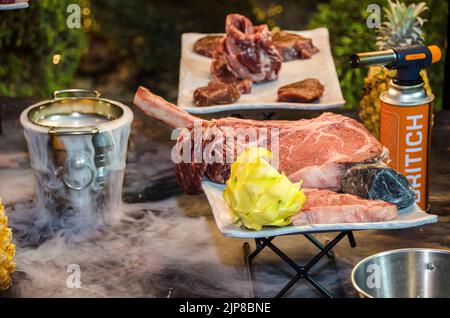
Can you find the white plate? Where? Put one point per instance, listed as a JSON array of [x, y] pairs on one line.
[[409, 217], [194, 73], [14, 6]]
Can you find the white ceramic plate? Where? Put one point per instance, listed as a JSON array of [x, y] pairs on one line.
[[194, 73], [14, 6], [409, 217]]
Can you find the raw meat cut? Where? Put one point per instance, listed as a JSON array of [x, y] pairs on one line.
[[221, 73], [305, 91], [293, 46], [216, 93], [317, 151], [379, 182], [207, 45], [328, 207], [249, 50]]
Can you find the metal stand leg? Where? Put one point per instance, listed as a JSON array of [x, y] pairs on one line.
[[319, 245], [301, 271]]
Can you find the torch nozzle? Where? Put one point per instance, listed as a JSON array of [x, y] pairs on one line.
[[384, 58]]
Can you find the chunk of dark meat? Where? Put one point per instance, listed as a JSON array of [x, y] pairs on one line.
[[305, 91], [249, 50], [207, 45], [216, 93], [221, 73], [293, 46]]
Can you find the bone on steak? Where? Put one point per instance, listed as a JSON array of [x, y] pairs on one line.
[[207, 45], [249, 50], [317, 150], [216, 93], [328, 207], [305, 91], [293, 46]]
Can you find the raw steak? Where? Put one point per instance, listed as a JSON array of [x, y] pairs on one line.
[[207, 45], [317, 151], [305, 91], [328, 207], [249, 50], [293, 46], [216, 93], [221, 73]]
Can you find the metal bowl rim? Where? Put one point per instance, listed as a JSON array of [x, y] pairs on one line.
[[401, 250], [24, 118]]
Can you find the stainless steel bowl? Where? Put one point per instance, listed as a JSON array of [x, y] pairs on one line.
[[404, 273]]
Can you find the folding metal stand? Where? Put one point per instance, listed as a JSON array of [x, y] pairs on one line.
[[302, 271]]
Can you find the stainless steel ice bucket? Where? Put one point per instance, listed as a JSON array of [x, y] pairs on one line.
[[77, 143], [404, 273]]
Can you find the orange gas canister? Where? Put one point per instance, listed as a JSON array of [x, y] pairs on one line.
[[406, 109], [405, 129]]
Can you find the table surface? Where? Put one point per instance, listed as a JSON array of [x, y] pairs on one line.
[[167, 244]]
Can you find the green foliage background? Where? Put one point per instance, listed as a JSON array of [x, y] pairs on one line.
[[148, 34], [28, 40], [346, 21]]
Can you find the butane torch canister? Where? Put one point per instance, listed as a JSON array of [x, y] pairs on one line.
[[405, 112], [405, 129]]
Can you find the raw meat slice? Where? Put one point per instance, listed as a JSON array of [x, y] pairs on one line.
[[249, 50], [328, 207], [207, 45], [305, 91], [293, 46], [317, 150], [221, 73], [216, 93]]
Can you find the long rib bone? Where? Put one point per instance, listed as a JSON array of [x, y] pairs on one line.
[[162, 110]]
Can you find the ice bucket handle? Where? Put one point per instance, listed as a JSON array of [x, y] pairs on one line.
[[80, 161], [72, 91]]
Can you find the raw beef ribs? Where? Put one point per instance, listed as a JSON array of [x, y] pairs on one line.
[[306, 91], [328, 207], [216, 93], [317, 151], [207, 45], [221, 73], [293, 46], [249, 50]]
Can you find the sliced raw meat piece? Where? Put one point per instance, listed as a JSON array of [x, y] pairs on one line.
[[328, 207], [216, 93], [207, 45], [293, 46], [249, 50], [221, 73], [317, 150], [305, 91]]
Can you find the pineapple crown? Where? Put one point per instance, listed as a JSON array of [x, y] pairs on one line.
[[403, 26]]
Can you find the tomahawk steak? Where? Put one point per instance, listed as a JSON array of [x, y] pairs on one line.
[[317, 151]]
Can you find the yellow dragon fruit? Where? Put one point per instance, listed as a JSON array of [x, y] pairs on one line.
[[258, 195]]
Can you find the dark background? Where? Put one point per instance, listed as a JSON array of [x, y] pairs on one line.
[[123, 44]]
